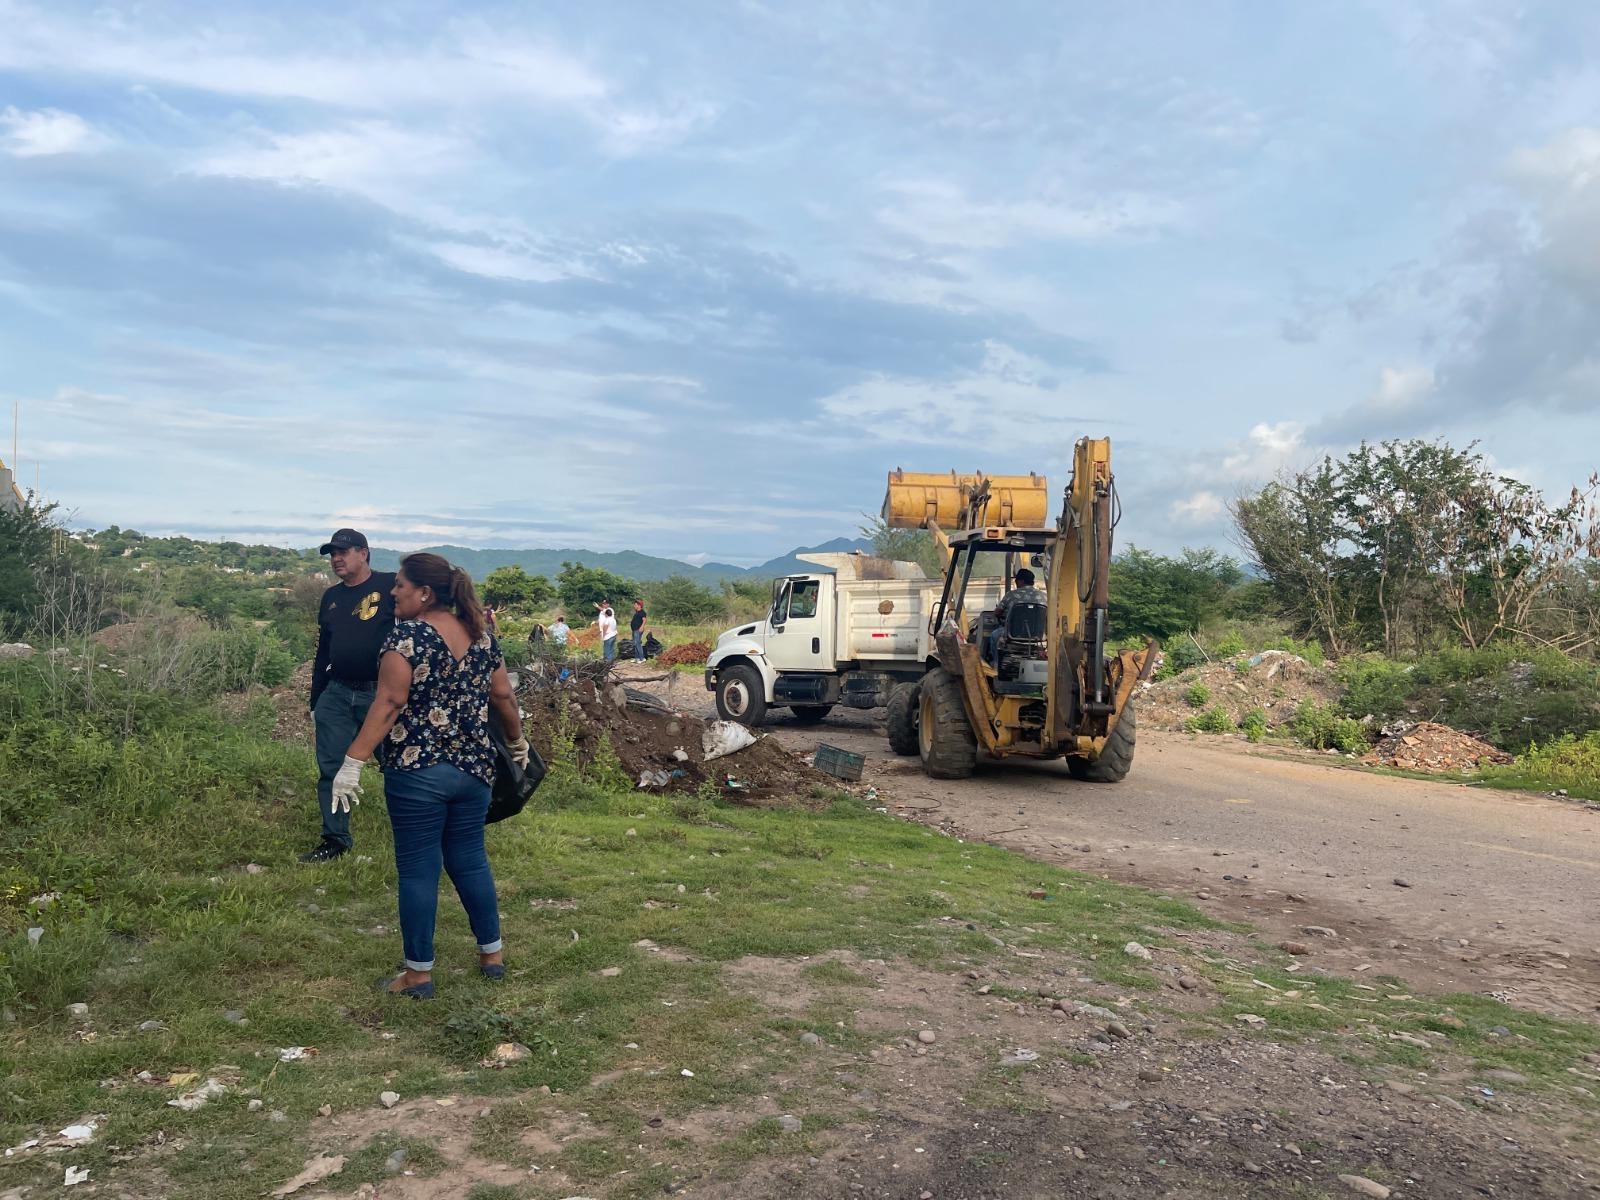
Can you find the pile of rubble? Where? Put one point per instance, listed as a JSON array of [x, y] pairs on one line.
[[1432, 748]]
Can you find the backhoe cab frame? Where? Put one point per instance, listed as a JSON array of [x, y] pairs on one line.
[[1086, 693]]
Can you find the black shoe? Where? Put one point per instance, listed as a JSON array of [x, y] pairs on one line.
[[326, 852]]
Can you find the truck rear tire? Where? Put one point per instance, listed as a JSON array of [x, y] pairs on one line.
[[740, 696], [902, 720], [945, 739], [810, 714], [1116, 760]]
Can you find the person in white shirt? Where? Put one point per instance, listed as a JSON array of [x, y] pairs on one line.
[[559, 631], [608, 631]]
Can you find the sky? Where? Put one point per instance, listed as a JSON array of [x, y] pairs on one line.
[[691, 279]]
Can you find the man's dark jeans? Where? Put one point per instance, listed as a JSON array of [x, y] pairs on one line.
[[339, 713]]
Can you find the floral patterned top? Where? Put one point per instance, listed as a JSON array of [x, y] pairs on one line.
[[446, 717]]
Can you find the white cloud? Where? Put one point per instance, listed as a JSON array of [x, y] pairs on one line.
[[1268, 449], [1202, 509], [943, 214], [46, 131], [497, 262]]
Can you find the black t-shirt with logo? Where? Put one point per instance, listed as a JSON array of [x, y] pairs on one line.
[[638, 620], [351, 626]]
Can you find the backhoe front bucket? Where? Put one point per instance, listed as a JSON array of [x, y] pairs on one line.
[[920, 499]]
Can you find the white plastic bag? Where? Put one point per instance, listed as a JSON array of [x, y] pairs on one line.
[[724, 737]]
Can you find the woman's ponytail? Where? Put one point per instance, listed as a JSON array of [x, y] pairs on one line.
[[466, 601]]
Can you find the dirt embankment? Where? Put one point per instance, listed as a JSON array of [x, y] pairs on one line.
[[1273, 681]]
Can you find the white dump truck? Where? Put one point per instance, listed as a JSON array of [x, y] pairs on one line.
[[846, 637]]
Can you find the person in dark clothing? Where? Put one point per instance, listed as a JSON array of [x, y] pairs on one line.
[[637, 625], [355, 617]]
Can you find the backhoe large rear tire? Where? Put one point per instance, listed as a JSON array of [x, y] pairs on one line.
[[740, 696], [902, 719], [945, 739], [1116, 760]]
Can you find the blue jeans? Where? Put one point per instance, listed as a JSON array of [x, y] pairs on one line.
[[638, 645], [338, 716], [437, 814], [609, 648]]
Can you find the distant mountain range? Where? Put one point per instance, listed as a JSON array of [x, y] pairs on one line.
[[628, 563]]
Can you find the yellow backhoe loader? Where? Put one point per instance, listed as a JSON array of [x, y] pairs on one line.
[[1037, 680]]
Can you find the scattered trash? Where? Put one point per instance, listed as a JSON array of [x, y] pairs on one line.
[[721, 738], [389, 1099], [78, 1011], [1019, 1056], [680, 754], [83, 1132], [75, 1175], [686, 1073], [34, 934], [657, 778], [736, 785], [182, 1078], [202, 1095], [296, 1053], [315, 1171]]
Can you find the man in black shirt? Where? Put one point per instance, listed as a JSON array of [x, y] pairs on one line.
[[357, 613], [637, 625]]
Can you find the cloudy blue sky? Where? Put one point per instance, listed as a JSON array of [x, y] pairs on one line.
[[690, 278]]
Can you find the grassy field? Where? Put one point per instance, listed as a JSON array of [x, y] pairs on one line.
[[160, 870]]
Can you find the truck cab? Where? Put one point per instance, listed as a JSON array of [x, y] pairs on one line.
[[830, 637]]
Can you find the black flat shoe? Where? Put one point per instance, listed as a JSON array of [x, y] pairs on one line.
[[325, 852], [417, 991], [494, 971]]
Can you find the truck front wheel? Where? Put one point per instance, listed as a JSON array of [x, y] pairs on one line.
[[945, 739], [902, 719], [740, 696]]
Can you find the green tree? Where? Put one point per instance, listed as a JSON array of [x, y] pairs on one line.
[[513, 587], [581, 588], [682, 601], [27, 546], [1160, 597], [904, 545]]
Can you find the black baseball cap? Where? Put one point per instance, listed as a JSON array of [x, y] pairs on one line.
[[344, 539]]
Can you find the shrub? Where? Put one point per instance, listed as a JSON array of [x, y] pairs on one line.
[[1179, 656], [1213, 720], [1376, 687], [1198, 695], [1321, 728], [1228, 645], [1254, 724], [1568, 763]]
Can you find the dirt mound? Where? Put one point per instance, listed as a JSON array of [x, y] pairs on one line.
[[291, 701], [1426, 746], [690, 653], [1274, 681], [648, 740]]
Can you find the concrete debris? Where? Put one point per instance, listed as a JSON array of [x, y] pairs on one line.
[[1432, 748]]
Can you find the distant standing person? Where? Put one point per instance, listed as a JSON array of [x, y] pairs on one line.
[[637, 625], [490, 621], [441, 681], [355, 616], [559, 631], [608, 631]]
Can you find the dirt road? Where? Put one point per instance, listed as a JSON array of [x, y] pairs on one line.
[[1501, 891]]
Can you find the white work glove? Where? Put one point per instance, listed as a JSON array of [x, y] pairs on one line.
[[347, 784], [519, 752]]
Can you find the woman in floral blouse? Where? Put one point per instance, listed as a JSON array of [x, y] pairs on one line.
[[439, 674]]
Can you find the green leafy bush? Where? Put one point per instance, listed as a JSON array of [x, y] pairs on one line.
[[1198, 695], [1254, 724], [1376, 686], [1570, 764], [1179, 656], [1322, 728], [1213, 720], [1228, 645]]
